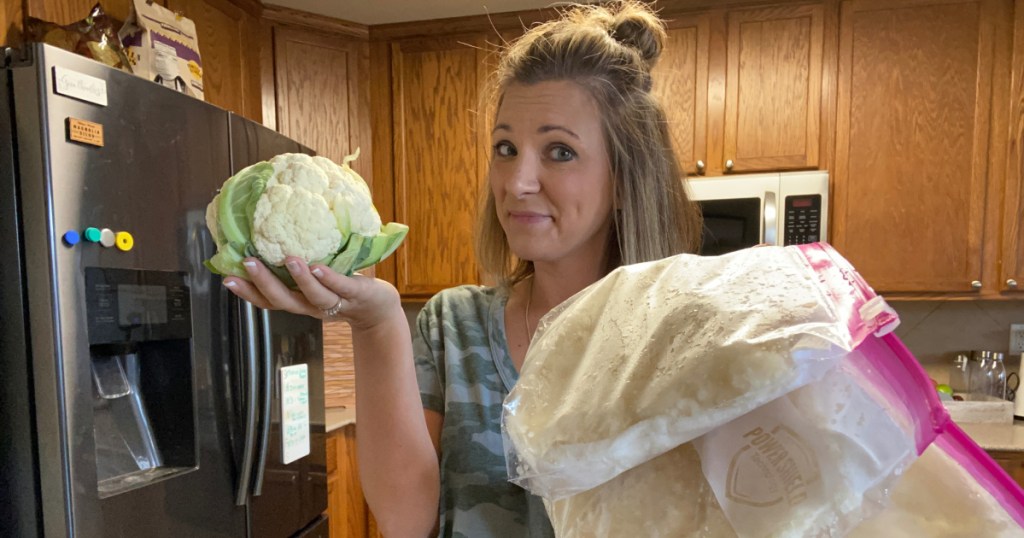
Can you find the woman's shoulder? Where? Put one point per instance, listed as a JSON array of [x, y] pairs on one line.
[[461, 300]]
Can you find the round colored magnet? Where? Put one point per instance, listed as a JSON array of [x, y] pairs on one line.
[[71, 238], [107, 237], [125, 241], [92, 235]]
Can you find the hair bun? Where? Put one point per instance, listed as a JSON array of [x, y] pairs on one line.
[[635, 26]]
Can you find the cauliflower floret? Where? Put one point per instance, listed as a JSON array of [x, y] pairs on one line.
[[292, 221]]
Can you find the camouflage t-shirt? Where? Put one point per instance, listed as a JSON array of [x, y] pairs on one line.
[[464, 372]]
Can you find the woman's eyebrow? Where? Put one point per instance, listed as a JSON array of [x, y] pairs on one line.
[[548, 128], [542, 129]]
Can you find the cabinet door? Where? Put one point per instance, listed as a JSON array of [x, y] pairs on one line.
[[439, 159], [914, 97], [230, 49], [1011, 462], [309, 67], [773, 88], [681, 83], [1012, 278]]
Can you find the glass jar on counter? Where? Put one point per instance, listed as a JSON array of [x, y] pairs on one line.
[[987, 374]]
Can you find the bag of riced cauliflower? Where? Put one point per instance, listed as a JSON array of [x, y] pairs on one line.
[[721, 397]]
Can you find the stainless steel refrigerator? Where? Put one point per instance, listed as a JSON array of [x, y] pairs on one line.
[[137, 396]]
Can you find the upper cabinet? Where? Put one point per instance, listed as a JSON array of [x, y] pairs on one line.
[[773, 88], [323, 101], [229, 43], [681, 82], [1011, 276], [439, 159], [919, 147], [743, 88]]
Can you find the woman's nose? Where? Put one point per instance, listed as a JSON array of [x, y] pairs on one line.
[[524, 178]]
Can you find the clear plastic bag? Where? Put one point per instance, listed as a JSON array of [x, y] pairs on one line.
[[826, 443], [655, 355]]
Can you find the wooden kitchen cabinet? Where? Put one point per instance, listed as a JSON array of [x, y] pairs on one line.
[[1011, 277], [681, 83], [742, 88], [439, 157], [58, 11], [309, 66], [1011, 462], [915, 99], [229, 44]]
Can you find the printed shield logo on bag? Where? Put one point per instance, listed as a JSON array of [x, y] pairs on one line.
[[772, 468]]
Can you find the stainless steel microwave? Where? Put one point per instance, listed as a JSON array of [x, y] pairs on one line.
[[788, 208]]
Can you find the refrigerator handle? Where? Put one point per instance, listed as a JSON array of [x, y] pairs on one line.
[[770, 235], [250, 351], [268, 385]]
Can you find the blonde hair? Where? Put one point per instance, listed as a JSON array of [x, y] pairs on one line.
[[609, 50]]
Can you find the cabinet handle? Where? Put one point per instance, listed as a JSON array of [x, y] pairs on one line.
[[700, 167], [1011, 283], [976, 284], [729, 164]]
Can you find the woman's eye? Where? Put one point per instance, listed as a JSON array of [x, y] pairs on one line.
[[561, 154], [504, 149]]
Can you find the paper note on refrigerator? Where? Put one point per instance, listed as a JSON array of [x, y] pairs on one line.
[[294, 412]]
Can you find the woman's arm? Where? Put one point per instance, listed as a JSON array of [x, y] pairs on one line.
[[397, 440]]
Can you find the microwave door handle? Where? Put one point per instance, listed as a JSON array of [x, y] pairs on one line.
[[769, 234], [268, 386], [251, 352]]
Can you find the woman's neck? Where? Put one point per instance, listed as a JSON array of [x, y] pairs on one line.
[[554, 283]]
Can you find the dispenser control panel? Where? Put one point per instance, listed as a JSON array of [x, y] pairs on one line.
[[134, 305]]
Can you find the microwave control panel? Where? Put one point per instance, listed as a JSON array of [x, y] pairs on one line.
[[803, 219]]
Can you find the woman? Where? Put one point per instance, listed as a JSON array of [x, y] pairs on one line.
[[582, 179]]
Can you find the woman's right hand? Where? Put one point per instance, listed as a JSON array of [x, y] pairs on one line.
[[362, 301]]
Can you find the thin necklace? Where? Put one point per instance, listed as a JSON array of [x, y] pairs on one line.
[[526, 319]]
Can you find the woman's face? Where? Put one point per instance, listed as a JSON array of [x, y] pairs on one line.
[[550, 173]]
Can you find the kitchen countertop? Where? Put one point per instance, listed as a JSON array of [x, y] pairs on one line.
[[1008, 437], [339, 417]]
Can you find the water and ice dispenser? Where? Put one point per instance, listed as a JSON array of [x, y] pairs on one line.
[[140, 330]]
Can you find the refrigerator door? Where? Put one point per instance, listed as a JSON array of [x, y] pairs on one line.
[[156, 402], [286, 497], [18, 461]]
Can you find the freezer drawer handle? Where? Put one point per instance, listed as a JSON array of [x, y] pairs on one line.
[[248, 452]]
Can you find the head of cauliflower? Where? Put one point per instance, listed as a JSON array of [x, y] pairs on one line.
[[298, 205], [309, 209]]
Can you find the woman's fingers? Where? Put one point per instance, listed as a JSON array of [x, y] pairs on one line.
[[247, 292], [276, 293], [316, 294]]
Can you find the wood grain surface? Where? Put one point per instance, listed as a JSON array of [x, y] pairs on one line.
[[436, 84], [1013, 222], [681, 83], [336, 27], [229, 46], [914, 99], [68, 11], [773, 104], [10, 23]]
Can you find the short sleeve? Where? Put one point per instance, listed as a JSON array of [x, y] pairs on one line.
[[428, 354]]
